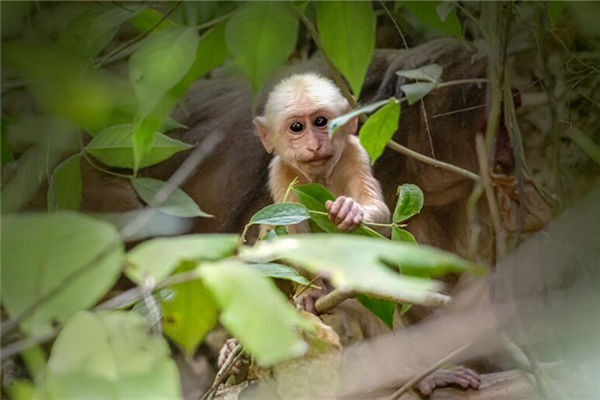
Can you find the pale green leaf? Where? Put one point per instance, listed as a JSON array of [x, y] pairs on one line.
[[280, 271], [280, 214], [379, 129], [92, 30], [340, 121], [190, 313], [416, 91], [114, 147], [78, 256], [178, 203], [266, 324], [403, 235], [360, 263], [65, 190], [110, 356], [347, 31], [410, 202], [261, 36], [430, 73], [157, 258]]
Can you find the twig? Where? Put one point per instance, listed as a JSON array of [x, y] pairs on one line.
[[136, 39], [428, 371], [222, 373], [332, 299]]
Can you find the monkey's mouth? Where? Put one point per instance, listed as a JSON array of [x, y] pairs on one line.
[[319, 160]]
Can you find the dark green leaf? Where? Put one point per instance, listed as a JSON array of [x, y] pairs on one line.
[[157, 258], [410, 202], [190, 313], [92, 30], [402, 235], [430, 73], [383, 309], [261, 36], [267, 325], [347, 30], [280, 230], [148, 19], [340, 121], [114, 147], [77, 255], [427, 13], [280, 271], [65, 189], [178, 203], [416, 91], [379, 129], [110, 356], [280, 214]]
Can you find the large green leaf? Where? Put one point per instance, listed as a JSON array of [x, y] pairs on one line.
[[379, 129], [157, 258], [266, 324], [110, 356], [114, 147], [360, 263], [340, 121], [261, 36], [190, 313], [178, 203], [347, 30], [93, 29], [64, 192], [383, 309], [410, 202], [158, 65], [280, 214], [433, 16], [77, 256]]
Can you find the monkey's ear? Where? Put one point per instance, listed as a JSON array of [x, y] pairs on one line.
[[263, 133], [352, 126]]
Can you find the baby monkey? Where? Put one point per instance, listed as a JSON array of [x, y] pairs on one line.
[[294, 127]]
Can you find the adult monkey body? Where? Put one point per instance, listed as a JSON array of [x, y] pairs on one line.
[[294, 126]]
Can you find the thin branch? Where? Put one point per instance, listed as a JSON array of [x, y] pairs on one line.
[[136, 39], [428, 371], [222, 373]]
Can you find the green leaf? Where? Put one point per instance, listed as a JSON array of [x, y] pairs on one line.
[[347, 31], [360, 263], [379, 129], [190, 313], [114, 147], [266, 325], [430, 73], [65, 189], [416, 91], [383, 309], [340, 121], [403, 235], [170, 124], [92, 30], [410, 202], [110, 356], [148, 18], [280, 271], [261, 36], [585, 143], [75, 255], [404, 308], [428, 12], [157, 258], [280, 214], [178, 203], [158, 65]]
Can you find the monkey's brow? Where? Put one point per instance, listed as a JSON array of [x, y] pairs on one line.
[[293, 111]]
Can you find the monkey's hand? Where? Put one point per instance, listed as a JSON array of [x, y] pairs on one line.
[[224, 354], [345, 213], [461, 376]]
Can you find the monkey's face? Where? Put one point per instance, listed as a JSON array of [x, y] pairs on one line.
[[304, 142]]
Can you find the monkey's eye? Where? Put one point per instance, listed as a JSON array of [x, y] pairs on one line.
[[320, 122], [296, 127]]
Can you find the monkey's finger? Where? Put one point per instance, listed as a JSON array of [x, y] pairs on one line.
[[328, 204], [348, 222], [345, 210], [337, 204]]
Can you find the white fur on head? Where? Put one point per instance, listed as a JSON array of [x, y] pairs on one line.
[[303, 90]]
